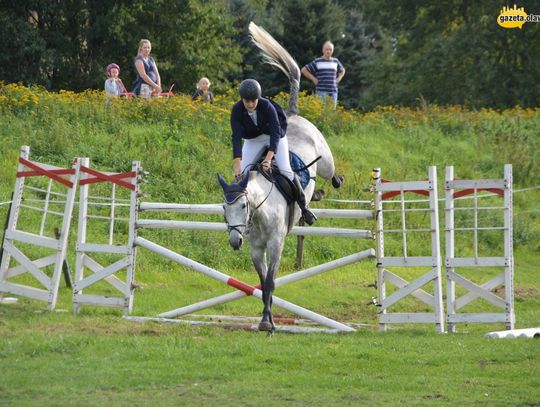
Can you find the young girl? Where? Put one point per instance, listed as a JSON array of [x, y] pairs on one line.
[[203, 92], [113, 84]]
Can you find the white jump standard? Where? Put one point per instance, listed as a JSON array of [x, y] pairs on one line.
[[50, 237], [456, 189], [123, 288], [384, 190]]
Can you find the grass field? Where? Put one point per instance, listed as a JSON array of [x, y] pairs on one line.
[[96, 358]]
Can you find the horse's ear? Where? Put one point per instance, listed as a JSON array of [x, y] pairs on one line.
[[243, 183], [222, 182]]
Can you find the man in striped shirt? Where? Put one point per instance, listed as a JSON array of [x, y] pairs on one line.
[[325, 72]]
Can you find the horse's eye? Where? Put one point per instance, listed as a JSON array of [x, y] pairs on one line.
[[243, 206]]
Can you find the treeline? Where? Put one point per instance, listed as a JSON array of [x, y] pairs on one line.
[[401, 52]]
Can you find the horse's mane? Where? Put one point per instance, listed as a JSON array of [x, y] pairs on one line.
[[274, 54]]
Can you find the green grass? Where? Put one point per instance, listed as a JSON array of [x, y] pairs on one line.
[[62, 359], [96, 358]]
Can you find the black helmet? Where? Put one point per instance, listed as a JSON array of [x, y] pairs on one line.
[[250, 89]]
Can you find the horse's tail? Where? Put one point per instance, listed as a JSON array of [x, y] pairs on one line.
[[274, 54]]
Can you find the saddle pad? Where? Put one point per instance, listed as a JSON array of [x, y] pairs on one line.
[[299, 167]]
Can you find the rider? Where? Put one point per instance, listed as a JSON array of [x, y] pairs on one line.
[[255, 119]]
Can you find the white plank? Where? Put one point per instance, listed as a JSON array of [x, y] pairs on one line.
[[186, 208], [33, 239], [103, 248], [477, 318], [406, 186], [24, 291], [99, 300], [333, 232], [476, 262], [404, 318], [479, 183], [415, 261], [222, 227]]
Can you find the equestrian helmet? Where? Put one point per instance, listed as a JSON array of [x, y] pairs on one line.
[[250, 89]]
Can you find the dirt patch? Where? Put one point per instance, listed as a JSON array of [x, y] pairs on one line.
[[519, 292]]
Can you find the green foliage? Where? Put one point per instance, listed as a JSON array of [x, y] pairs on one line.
[[398, 53], [66, 45], [450, 53]]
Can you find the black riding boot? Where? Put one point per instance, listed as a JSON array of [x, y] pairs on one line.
[[309, 217]]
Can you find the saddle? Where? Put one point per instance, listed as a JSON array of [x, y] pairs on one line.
[[285, 186]]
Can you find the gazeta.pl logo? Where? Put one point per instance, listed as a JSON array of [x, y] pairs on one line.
[[515, 17]]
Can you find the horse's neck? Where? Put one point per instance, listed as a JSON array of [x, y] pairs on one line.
[[258, 189]]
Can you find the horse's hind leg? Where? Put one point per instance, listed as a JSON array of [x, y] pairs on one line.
[[338, 180]]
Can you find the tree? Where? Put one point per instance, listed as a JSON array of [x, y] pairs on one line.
[[300, 26], [69, 43], [191, 39], [452, 53]]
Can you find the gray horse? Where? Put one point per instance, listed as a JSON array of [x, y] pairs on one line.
[[254, 206]]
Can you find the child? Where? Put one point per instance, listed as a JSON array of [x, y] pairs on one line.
[[203, 92], [113, 85]]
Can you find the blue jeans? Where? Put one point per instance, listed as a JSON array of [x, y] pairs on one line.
[[324, 95]]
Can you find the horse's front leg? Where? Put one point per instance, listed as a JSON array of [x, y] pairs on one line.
[[274, 249], [259, 261]]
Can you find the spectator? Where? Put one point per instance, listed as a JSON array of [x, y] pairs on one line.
[[113, 84], [202, 91], [148, 81], [326, 73], [262, 124]]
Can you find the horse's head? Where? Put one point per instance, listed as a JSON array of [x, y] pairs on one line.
[[236, 207]]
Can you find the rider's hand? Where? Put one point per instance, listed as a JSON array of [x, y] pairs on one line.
[[237, 169], [266, 165]]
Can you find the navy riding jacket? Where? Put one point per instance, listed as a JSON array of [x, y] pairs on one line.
[[268, 123]]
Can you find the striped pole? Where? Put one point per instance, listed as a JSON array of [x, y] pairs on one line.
[[240, 285], [290, 278]]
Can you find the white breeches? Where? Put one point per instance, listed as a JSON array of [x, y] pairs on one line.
[[253, 149]]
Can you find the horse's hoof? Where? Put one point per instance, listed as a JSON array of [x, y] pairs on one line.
[[318, 195], [266, 326], [337, 180]]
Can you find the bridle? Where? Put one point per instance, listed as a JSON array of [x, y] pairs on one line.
[[246, 225], [249, 215]]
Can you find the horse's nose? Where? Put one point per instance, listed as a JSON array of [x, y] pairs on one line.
[[235, 240]]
